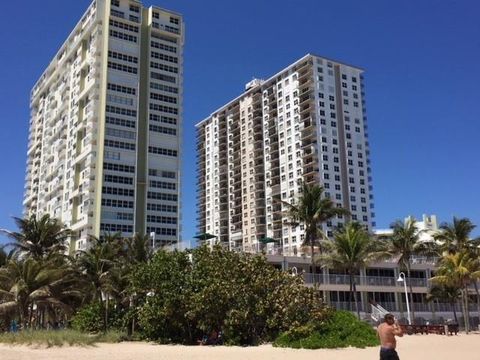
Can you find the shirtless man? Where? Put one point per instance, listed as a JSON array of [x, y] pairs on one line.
[[387, 332]]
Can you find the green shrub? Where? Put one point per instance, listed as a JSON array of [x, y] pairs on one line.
[[241, 295], [89, 318], [343, 329]]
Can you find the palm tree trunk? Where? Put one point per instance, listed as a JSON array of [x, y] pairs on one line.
[[350, 278], [355, 298], [464, 310], [106, 312], [478, 298], [454, 312], [412, 308], [467, 311], [312, 249]]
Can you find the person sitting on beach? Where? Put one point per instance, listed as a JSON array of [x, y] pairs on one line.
[[210, 340], [387, 332]]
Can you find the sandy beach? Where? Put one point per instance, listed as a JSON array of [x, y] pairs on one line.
[[426, 347]]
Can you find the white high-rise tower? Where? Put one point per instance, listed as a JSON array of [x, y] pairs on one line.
[[305, 124], [106, 125]]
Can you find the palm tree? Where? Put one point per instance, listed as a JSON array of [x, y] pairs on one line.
[[459, 270], [351, 249], [445, 294], [138, 249], [29, 283], [455, 237], [39, 238], [313, 210], [403, 244], [100, 267]]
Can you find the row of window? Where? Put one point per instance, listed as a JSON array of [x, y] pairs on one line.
[[117, 191], [119, 144], [161, 196], [162, 151], [164, 67], [161, 208], [162, 185], [164, 98], [122, 89], [111, 215], [120, 122], [157, 45], [162, 108], [162, 130], [120, 111], [117, 203], [161, 219], [119, 167], [163, 119], [121, 67], [118, 179], [162, 87], [111, 155], [162, 173], [160, 56], [123, 36], [116, 228], [125, 134], [162, 231], [123, 26], [123, 57], [121, 100]]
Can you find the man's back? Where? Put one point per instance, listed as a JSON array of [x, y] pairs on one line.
[[387, 336], [387, 332]]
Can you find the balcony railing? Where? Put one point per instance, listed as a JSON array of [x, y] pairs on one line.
[[340, 279]]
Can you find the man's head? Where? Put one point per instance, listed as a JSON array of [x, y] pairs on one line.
[[389, 319]]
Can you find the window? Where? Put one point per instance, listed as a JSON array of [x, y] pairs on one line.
[[123, 36], [120, 122], [161, 46], [121, 67], [162, 151], [123, 26], [119, 167], [119, 144], [134, 8], [121, 88], [164, 57]]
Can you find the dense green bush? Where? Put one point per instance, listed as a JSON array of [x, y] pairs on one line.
[[217, 290], [342, 329], [91, 318]]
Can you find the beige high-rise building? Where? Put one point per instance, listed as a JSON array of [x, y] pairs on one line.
[[305, 124], [106, 125]]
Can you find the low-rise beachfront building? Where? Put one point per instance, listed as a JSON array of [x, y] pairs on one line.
[[378, 283]]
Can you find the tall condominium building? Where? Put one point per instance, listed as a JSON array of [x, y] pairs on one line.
[[305, 124], [106, 125]]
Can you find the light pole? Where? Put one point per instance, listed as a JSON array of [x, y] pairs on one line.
[[152, 236], [402, 278]]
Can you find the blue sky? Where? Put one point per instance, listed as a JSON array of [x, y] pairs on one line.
[[422, 85]]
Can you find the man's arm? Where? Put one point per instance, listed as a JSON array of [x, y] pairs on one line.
[[397, 330]]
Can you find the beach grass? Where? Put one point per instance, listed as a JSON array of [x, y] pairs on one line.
[[58, 338]]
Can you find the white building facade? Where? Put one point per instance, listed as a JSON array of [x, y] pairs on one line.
[[305, 124], [106, 125]]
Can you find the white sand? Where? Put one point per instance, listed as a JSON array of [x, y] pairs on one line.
[[421, 347]]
